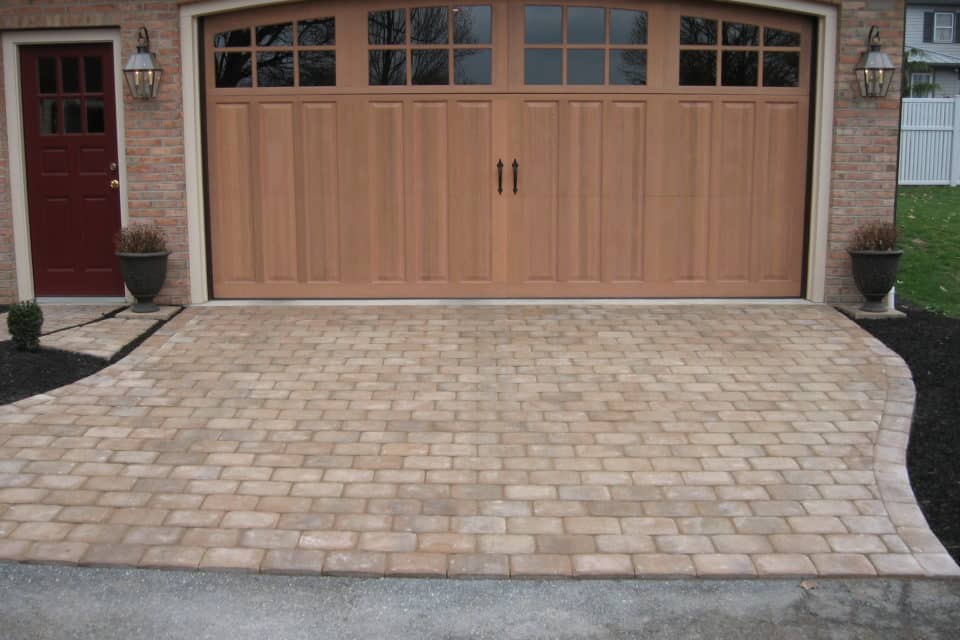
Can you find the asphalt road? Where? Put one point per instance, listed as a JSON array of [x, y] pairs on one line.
[[54, 602]]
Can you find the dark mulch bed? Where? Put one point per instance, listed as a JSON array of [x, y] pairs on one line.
[[930, 344], [24, 374]]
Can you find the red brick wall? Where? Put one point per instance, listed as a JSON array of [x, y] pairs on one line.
[[154, 129], [866, 131], [864, 153]]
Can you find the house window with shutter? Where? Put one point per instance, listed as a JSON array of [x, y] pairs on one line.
[[921, 85], [943, 27]]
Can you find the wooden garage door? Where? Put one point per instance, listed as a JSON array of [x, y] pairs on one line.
[[507, 149]]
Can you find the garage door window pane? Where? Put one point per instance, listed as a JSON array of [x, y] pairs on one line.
[[233, 70], [542, 25], [387, 27], [275, 35], [236, 38], [543, 66], [628, 66], [275, 69], [430, 66], [585, 66], [780, 38], [628, 27], [94, 115], [740, 35], [388, 67], [698, 31], [471, 66], [739, 68], [781, 69], [47, 75], [316, 33], [471, 25], [698, 68], [428, 25], [585, 25], [318, 69]]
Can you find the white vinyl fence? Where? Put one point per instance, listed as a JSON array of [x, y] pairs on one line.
[[930, 141]]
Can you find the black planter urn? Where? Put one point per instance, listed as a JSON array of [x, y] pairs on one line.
[[875, 273], [144, 273]]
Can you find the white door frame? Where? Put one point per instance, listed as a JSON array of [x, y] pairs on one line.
[[822, 133], [11, 43]]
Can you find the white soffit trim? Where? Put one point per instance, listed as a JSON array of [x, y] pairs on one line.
[[822, 133], [11, 43]]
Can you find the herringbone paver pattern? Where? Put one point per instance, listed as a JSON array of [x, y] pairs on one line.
[[493, 441]]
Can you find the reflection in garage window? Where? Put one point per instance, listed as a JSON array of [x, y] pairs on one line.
[[628, 66], [697, 30], [388, 67], [585, 66], [316, 33], [387, 27], [471, 25], [740, 35], [428, 25], [237, 38], [318, 69], [275, 69], [740, 68], [430, 66], [233, 70], [698, 68], [781, 69], [275, 35], [780, 38], [471, 66], [543, 66], [585, 25], [628, 27]]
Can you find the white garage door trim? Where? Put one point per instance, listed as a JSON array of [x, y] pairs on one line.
[[822, 134]]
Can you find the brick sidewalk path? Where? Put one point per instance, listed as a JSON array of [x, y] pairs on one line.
[[469, 441]]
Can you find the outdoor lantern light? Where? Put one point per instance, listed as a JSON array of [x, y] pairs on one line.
[[142, 71], [874, 71]]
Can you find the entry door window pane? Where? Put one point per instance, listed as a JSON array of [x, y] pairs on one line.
[[585, 25], [275, 69], [430, 66], [628, 66], [471, 25], [94, 115], [628, 27], [93, 74], [387, 27], [49, 122], [47, 75], [70, 70], [471, 66], [388, 67], [72, 117], [543, 66], [428, 25], [585, 66], [543, 25]]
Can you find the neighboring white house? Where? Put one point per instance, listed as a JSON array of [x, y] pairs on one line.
[[933, 36]]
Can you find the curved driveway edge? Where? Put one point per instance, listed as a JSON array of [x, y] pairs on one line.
[[491, 441]]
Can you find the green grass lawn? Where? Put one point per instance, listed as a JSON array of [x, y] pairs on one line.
[[928, 221]]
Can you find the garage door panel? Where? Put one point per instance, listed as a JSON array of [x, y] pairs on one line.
[[779, 219], [231, 222], [533, 222], [385, 175], [354, 215], [427, 201], [624, 179], [319, 155], [731, 203], [676, 238], [276, 190], [580, 189], [471, 167]]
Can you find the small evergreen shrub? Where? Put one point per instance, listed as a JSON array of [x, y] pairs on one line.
[[24, 322], [141, 238], [875, 236]]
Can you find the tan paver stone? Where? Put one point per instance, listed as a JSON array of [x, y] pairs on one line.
[[487, 440], [602, 565], [65, 552], [784, 564]]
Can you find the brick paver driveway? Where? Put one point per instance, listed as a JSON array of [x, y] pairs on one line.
[[525, 441]]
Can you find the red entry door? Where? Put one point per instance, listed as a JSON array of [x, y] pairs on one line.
[[70, 138]]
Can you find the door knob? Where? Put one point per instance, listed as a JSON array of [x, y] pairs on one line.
[[114, 184]]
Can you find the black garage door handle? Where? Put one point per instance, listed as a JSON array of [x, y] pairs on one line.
[[516, 173]]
